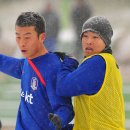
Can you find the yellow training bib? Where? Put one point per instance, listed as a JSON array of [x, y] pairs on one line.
[[104, 110]]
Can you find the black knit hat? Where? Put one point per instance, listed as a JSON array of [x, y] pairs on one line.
[[101, 26]]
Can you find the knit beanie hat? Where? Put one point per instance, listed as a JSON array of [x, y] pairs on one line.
[[99, 25]]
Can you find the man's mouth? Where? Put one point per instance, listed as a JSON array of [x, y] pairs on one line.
[[23, 51], [88, 49]]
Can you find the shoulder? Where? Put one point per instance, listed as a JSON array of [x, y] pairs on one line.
[[52, 61], [95, 59], [52, 57], [93, 63], [108, 57], [49, 60]]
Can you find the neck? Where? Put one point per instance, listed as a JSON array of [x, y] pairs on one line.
[[41, 52], [107, 50]]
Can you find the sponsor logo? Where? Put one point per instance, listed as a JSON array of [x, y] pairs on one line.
[[34, 83], [27, 97]]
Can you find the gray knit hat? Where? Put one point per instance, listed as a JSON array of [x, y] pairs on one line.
[[101, 26]]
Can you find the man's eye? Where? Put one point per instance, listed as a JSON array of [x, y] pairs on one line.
[[27, 37], [17, 37], [85, 35], [95, 37]]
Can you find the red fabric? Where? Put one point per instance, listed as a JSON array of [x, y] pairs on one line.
[[37, 72]]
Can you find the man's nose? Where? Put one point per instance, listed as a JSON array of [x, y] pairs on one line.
[[22, 42], [89, 41]]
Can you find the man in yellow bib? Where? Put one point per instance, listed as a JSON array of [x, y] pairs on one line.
[[97, 83]]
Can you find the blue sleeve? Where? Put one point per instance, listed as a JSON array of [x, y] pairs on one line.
[[86, 79], [61, 106], [11, 66]]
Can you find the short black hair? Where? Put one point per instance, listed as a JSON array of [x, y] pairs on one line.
[[31, 19]]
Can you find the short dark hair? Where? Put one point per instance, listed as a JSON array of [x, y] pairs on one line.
[[31, 19]]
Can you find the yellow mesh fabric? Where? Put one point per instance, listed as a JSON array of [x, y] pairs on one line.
[[104, 110]]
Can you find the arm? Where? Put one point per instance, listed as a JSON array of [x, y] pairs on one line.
[[86, 79], [11, 66], [61, 106]]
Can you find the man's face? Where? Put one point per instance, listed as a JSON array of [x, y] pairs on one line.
[[30, 44], [92, 43]]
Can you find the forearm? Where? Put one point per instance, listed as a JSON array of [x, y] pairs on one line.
[[11, 66], [61, 118], [86, 79], [62, 107], [67, 78], [66, 114]]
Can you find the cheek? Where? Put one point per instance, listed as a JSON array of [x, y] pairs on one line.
[[99, 47], [83, 45], [18, 44], [31, 42], [34, 46], [17, 41], [102, 46]]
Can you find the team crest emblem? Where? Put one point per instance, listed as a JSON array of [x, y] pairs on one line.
[[34, 83]]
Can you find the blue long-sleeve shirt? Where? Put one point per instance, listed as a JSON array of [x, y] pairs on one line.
[[37, 100], [86, 79]]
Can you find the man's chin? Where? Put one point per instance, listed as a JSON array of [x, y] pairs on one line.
[[25, 55], [86, 54]]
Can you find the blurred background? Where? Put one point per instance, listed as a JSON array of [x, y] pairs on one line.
[[64, 19]]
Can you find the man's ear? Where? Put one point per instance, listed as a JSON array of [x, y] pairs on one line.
[[42, 37]]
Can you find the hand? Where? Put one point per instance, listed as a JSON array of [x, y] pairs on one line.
[[55, 119], [63, 54], [60, 54]]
